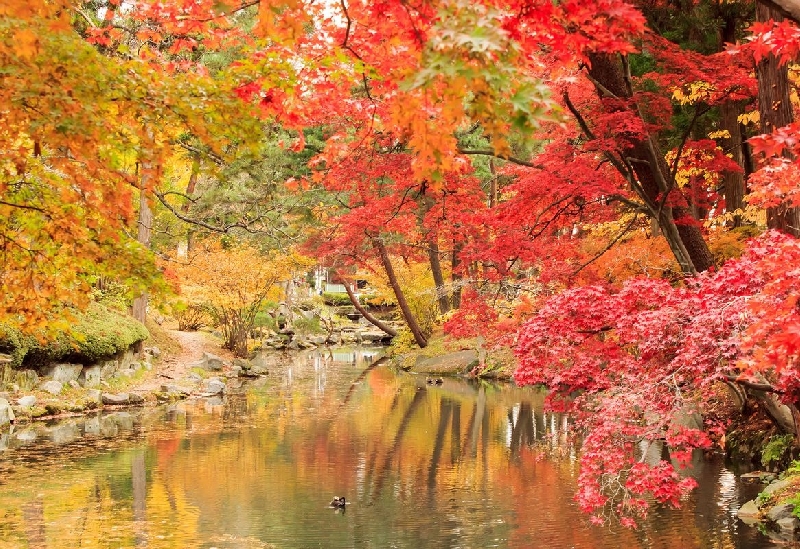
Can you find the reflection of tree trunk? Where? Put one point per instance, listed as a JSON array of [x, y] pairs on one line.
[[33, 515], [359, 379], [398, 438], [139, 488], [444, 419], [775, 111], [455, 434], [366, 314], [477, 421], [522, 430], [411, 321], [485, 436], [373, 458]]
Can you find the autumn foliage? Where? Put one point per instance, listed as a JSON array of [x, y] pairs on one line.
[[560, 170], [233, 283]]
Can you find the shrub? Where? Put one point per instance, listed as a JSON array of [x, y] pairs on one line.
[[94, 334], [776, 450], [335, 299], [192, 317]]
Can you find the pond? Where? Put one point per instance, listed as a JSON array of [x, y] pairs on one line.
[[461, 464]]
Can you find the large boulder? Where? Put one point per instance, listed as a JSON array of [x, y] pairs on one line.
[[26, 380], [781, 511], [214, 386], [64, 373], [115, 399], [153, 351], [460, 362], [27, 401], [211, 362], [53, 387], [90, 376], [748, 512], [777, 485]]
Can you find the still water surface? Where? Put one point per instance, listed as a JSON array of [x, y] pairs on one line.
[[455, 465]]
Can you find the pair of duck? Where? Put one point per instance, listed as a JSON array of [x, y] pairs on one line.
[[434, 381]]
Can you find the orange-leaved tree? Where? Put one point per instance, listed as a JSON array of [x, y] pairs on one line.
[[234, 282]]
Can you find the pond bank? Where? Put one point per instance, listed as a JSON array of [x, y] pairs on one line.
[[192, 363]]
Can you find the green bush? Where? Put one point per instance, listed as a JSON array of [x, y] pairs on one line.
[[777, 449], [305, 325], [335, 299], [94, 334]]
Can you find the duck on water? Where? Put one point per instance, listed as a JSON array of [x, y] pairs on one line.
[[338, 502]]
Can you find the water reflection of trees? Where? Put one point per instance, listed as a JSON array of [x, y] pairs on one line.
[[462, 464]]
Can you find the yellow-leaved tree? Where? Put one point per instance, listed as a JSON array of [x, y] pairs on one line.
[[233, 282]]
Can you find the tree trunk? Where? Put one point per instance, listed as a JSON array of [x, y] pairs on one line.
[[775, 110], [139, 307], [408, 316], [780, 413], [432, 249], [788, 8], [438, 276], [455, 276], [365, 313], [733, 186], [653, 177], [185, 247]]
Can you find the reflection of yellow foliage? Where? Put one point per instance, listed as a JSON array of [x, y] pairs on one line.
[[171, 519]]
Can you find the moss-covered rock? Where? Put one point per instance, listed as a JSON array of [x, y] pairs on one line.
[[96, 333]]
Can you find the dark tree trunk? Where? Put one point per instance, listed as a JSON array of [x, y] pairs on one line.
[[733, 186], [775, 110], [432, 249], [455, 277], [653, 179], [365, 313], [408, 316], [438, 276], [788, 8], [733, 183]]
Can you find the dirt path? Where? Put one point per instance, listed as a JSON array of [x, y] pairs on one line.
[[175, 367]]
